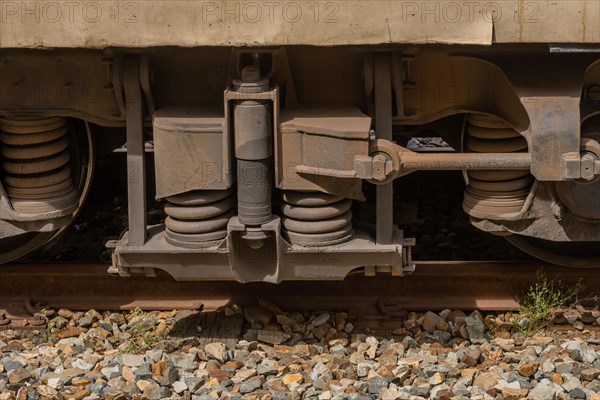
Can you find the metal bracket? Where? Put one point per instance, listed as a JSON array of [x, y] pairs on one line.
[[136, 162], [584, 165], [552, 100], [255, 265]]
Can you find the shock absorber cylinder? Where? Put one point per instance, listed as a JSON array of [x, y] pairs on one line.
[[253, 136]]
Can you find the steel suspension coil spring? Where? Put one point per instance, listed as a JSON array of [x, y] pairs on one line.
[[316, 219], [198, 218], [35, 154], [490, 193]]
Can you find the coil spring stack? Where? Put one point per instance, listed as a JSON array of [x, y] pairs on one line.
[[35, 154], [316, 219], [495, 192], [198, 218]]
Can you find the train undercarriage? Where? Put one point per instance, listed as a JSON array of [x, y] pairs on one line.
[[263, 156]]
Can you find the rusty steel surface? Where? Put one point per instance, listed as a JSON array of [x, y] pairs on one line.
[[492, 286]]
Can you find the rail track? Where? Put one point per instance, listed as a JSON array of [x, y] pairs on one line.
[[25, 289]]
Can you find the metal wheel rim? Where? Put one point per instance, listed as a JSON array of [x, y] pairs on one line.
[[567, 254]]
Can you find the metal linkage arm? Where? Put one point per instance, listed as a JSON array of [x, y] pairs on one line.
[[410, 161], [388, 161]]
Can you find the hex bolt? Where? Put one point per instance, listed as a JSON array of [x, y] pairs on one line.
[[587, 167], [593, 93]]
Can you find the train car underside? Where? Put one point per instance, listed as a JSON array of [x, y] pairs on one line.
[[263, 155]]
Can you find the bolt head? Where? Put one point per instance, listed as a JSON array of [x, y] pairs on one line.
[[593, 93], [250, 74]]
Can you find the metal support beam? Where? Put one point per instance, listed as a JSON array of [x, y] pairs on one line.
[[383, 129], [136, 163]]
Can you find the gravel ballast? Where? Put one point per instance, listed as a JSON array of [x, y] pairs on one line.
[[296, 355]]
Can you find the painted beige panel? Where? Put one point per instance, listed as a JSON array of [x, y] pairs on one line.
[[98, 24], [556, 21]]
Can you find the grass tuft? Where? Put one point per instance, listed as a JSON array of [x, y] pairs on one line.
[[546, 295], [141, 339]]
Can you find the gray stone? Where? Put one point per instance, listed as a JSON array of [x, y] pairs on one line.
[[320, 320], [155, 354], [143, 323], [111, 371], [193, 383], [89, 318], [133, 360], [544, 390], [321, 371], [475, 328], [588, 354], [251, 335], [563, 368], [363, 368], [576, 355], [410, 343], [143, 372], [420, 390], [186, 362], [376, 384], [571, 345], [338, 350], [577, 393], [9, 364], [250, 385], [570, 383], [179, 387], [272, 337], [79, 363], [594, 386], [548, 366], [162, 393], [168, 377], [267, 367], [117, 383], [589, 374], [56, 381], [98, 388]]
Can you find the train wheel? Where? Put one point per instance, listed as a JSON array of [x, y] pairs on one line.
[[582, 200], [35, 143], [568, 254]]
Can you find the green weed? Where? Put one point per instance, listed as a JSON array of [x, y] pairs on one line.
[[541, 299], [141, 338]]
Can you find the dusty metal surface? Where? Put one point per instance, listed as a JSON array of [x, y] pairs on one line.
[[25, 289], [318, 145], [234, 23], [136, 160]]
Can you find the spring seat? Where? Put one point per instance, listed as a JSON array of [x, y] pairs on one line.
[[35, 154], [198, 218], [490, 193], [316, 219]]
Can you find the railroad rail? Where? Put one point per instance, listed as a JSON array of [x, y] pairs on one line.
[[25, 289]]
